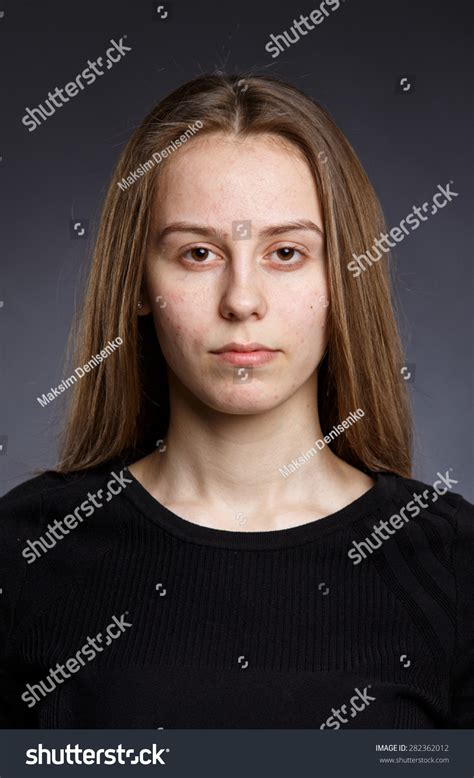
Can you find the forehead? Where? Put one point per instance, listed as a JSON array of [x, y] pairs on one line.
[[218, 176]]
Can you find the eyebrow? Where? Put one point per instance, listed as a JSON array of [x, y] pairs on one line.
[[267, 232]]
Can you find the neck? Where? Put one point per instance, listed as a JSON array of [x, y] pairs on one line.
[[242, 461]]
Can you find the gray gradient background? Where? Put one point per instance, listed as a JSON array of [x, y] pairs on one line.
[[408, 143]]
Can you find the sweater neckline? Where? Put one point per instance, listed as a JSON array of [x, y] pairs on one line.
[[176, 525]]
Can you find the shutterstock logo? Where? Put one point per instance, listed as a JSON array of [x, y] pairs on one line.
[[37, 691], [57, 531], [61, 95], [383, 244], [86, 756], [384, 529]]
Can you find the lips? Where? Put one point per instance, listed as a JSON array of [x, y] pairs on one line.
[[245, 354], [242, 347]]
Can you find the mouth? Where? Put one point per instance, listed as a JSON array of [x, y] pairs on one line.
[[245, 354]]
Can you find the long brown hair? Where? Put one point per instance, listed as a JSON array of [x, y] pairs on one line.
[[122, 405]]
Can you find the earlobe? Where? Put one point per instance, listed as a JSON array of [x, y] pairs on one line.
[[143, 308]]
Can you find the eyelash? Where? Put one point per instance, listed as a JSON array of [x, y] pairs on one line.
[[287, 263]]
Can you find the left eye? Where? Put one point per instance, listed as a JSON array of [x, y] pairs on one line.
[[287, 253]]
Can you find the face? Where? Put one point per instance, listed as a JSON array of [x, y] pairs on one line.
[[235, 259]]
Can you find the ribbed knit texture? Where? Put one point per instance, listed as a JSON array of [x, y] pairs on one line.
[[309, 626]]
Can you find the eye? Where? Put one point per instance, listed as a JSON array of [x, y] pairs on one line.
[[198, 254], [288, 253]]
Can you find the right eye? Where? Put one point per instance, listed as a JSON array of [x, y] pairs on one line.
[[198, 254]]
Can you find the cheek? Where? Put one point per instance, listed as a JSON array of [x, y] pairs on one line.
[[306, 319], [180, 323]]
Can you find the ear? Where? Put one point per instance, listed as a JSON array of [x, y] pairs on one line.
[[145, 308]]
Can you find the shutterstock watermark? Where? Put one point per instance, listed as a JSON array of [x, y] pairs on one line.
[[398, 234], [80, 371], [398, 520], [301, 27], [57, 99], [293, 466], [158, 156], [67, 755], [88, 651], [335, 721], [57, 531]]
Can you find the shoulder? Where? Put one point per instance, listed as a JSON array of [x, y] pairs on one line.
[[439, 502], [42, 511], [22, 507], [439, 518], [432, 529], [46, 538], [30, 505]]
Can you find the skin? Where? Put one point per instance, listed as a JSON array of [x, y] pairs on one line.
[[227, 439]]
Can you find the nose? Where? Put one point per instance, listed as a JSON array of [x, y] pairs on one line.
[[242, 295]]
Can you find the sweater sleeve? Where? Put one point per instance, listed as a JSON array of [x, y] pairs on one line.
[[20, 512], [462, 679]]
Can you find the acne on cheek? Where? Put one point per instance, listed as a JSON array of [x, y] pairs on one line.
[[169, 307], [173, 298], [180, 329], [182, 308]]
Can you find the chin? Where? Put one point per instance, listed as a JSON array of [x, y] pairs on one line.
[[243, 400]]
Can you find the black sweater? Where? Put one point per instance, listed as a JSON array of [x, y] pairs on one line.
[[340, 622]]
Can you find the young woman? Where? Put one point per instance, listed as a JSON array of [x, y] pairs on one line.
[[232, 537]]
